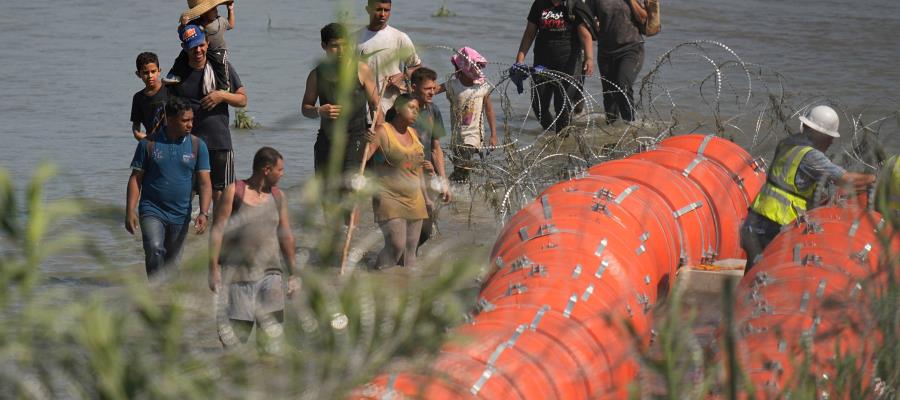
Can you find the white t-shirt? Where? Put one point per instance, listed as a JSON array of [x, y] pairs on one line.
[[386, 51], [467, 111]]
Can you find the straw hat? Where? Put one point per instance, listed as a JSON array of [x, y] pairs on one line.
[[196, 8]]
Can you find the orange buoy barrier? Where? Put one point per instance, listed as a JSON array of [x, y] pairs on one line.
[[809, 295], [577, 271]]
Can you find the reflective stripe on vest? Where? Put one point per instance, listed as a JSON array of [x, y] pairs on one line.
[[780, 200]]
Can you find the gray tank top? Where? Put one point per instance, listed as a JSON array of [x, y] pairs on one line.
[[250, 249]]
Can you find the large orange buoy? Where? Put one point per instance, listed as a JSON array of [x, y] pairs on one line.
[[747, 172], [809, 297], [576, 272]]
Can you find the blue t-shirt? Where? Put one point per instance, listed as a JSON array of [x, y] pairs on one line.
[[168, 177]]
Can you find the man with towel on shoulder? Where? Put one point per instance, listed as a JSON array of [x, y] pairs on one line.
[[210, 106]]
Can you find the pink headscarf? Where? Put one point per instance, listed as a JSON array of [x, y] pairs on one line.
[[470, 63]]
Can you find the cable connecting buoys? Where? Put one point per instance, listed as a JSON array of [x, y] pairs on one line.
[[809, 296], [577, 271]]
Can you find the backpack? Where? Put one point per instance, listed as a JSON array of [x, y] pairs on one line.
[[240, 186], [585, 11], [195, 149], [151, 142], [653, 25]]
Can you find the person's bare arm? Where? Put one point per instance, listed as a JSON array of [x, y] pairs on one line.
[[217, 232], [286, 242], [587, 44], [372, 137], [372, 96], [857, 180], [136, 131], [214, 98], [639, 12], [527, 39], [132, 195], [310, 97], [205, 184], [231, 16], [489, 111], [437, 156]]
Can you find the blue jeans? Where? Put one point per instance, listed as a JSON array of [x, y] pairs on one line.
[[162, 244]]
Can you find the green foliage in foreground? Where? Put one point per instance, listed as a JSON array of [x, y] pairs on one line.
[[132, 340]]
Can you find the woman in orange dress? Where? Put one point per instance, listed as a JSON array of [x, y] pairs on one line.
[[399, 203]]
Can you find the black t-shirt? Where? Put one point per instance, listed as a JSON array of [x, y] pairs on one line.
[[211, 126], [147, 109], [556, 40]]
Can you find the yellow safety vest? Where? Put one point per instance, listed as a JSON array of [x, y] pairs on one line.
[[887, 190], [779, 199]]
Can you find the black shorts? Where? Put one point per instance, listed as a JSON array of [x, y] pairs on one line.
[[353, 154], [221, 164]]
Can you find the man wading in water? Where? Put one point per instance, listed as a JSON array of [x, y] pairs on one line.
[[252, 226], [388, 51], [210, 106], [162, 174]]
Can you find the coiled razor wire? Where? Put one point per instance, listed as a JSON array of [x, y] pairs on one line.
[[738, 100]]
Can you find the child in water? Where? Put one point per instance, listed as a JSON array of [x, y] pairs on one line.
[[470, 101], [206, 14]]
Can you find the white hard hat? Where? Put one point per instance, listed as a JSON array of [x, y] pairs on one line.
[[822, 119]]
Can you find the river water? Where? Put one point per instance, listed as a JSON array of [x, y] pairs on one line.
[[67, 74]]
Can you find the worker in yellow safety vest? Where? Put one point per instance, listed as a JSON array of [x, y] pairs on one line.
[[887, 191], [799, 165]]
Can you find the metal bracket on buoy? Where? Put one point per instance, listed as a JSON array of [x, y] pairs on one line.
[[856, 289], [797, 248], [813, 228], [690, 168], [516, 288], [863, 255], [572, 300], [642, 249], [538, 270], [762, 279], [601, 247], [523, 233], [804, 301], [820, 290], [587, 292], [603, 266], [758, 164], [625, 193], [577, 271], [483, 305], [688, 208], [600, 207], [519, 263], [644, 301], [545, 229], [548, 211], [854, 227], [538, 316], [604, 193], [812, 259], [704, 143]]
